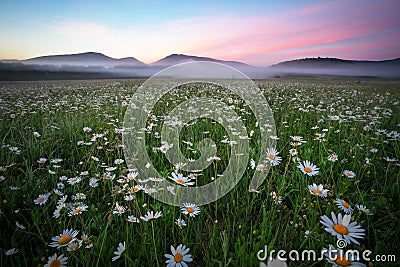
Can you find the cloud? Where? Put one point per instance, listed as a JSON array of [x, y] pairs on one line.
[[320, 28]]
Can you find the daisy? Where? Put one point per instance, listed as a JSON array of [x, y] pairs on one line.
[[181, 223], [298, 139], [41, 199], [191, 209], [58, 192], [74, 180], [277, 200], [179, 256], [129, 197], [118, 161], [93, 182], [252, 164], [150, 215], [77, 210], [108, 176], [293, 152], [20, 226], [343, 205], [333, 157], [272, 157], [63, 178], [363, 209], [180, 179], [318, 190], [119, 209], [64, 239], [60, 186], [342, 228], [87, 129], [74, 246], [86, 240], [84, 173], [337, 257], [133, 219], [56, 161], [135, 188], [36, 134], [308, 168], [57, 211], [260, 167], [121, 248], [11, 252], [41, 160], [349, 174], [60, 261]]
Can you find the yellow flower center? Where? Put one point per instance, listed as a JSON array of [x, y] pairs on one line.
[[64, 239], [271, 157], [349, 174], [85, 239], [73, 180], [317, 191], [76, 211], [307, 169], [345, 204], [55, 263], [73, 247], [190, 210], [340, 229], [178, 258], [342, 261], [40, 199], [180, 181]]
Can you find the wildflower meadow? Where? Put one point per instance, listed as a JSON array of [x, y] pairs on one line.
[[69, 198]]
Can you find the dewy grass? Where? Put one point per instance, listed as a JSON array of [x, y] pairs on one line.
[[81, 124]]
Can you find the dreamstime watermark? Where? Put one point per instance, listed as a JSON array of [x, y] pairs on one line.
[[333, 254], [141, 109]]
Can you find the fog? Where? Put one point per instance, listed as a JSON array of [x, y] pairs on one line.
[[16, 70]]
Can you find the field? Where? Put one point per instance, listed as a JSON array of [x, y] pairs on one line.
[[63, 167]]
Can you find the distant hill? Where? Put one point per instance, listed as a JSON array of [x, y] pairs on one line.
[[92, 65], [83, 59], [336, 66], [174, 59]]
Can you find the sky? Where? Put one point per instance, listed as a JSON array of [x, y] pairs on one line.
[[260, 33]]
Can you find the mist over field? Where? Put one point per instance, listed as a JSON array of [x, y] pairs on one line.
[[96, 65]]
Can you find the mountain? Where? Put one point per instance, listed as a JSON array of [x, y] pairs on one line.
[[93, 65], [336, 66], [174, 59], [83, 59]]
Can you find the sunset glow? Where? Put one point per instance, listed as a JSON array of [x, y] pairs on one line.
[[258, 33]]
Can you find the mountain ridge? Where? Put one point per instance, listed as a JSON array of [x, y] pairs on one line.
[[97, 65]]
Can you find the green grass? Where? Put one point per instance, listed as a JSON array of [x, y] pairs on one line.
[[229, 231]]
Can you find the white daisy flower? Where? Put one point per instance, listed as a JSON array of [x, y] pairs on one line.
[[272, 157], [342, 228], [308, 168], [318, 190], [60, 261], [150, 215], [349, 174], [121, 248], [179, 256], [191, 209], [343, 205]]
